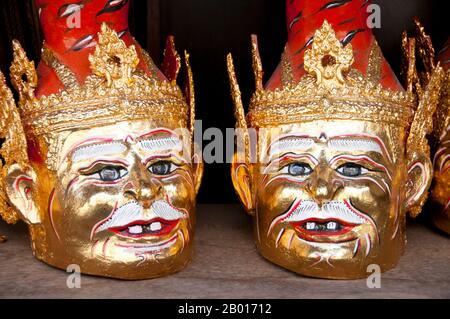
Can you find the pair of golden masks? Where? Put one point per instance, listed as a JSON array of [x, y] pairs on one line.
[[107, 180]]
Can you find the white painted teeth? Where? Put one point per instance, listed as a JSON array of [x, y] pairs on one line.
[[332, 226], [135, 229], [325, 226], [155, 226]]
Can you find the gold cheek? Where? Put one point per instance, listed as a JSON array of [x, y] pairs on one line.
[[378, 239], [286, 244], [70, 213]]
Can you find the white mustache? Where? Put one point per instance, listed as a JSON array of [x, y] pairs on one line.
[[133, 211], [309, 209]]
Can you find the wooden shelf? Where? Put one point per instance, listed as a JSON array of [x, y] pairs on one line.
[[226, 265]]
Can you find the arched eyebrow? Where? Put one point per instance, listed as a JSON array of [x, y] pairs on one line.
[[96, 150], [159, 144], [354, 144], [291, 143]]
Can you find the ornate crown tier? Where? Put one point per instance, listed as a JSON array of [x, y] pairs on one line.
[[116, 91], [330, 90]]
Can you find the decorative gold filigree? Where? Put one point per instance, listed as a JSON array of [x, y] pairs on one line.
[[190, 94], [373, 73], [408, 69], [14, 148], [113, 60], [65, 75], [332, 90], [115, 91], [422, 126], [257, 64], [425, 49], [239, 112], [327, 58], [23, 75], [287, 75]]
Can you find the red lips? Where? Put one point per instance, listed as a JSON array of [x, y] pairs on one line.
[[325, 230], [156, 227]]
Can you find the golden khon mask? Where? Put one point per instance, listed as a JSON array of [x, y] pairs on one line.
[[101, 168], [340, 154], [421, 44]]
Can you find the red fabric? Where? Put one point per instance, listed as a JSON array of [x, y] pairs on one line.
[[304, 17]]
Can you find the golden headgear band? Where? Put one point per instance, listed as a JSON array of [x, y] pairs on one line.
[[331, 90], [114, 92]]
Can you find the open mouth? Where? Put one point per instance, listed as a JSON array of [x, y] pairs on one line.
[[325, 230], [156, 227]]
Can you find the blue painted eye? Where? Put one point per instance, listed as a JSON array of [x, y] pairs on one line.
[[299, 169], [161, 168], [351, 170], [111, 173]]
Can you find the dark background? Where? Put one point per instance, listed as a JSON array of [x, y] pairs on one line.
[[209, 29]]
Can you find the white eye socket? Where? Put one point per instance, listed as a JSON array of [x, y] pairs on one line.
[[297, 169], [352, 170], [162, 168], [111, 173]]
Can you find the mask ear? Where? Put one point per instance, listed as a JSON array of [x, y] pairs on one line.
[[19, 189], [242, 182], [420, 174]]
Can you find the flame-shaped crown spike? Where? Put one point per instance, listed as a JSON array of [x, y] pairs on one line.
[[23, 75], [113, 60], [190, 93], [327, 58], [239, 112], [14, 149], [172, 62], [257, 64]]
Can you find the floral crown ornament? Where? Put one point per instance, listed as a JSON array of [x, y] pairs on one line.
[[333, 90]]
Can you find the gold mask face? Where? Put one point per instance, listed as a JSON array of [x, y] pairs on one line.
[[116, 193], [330, 197], [329, 191], [121, 203]]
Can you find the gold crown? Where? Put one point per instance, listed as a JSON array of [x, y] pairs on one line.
[[115, 91], [421, 45], [330, 90]]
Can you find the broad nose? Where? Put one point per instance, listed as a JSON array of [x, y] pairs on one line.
[[142, 187], [321, 186]]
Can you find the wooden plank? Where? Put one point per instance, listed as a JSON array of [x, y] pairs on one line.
[[226, 265]]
